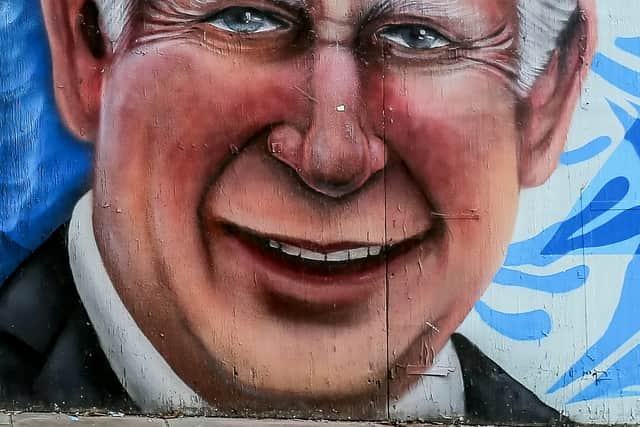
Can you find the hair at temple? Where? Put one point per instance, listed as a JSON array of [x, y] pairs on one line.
[[542, 23]]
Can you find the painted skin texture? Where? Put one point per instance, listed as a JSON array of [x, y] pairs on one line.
[[326, 132]]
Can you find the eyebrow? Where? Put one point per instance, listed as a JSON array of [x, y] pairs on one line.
[[291, 3], [381, 5], [436, 8]]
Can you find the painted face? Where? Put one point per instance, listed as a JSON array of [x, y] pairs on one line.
[[290, 197]]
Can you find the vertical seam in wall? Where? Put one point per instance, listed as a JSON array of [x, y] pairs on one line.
[[386, 271]]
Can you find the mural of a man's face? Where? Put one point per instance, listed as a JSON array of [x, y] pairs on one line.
[[296, 195]]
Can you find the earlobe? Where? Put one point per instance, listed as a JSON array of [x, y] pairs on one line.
[[547, 111], [79, 55]]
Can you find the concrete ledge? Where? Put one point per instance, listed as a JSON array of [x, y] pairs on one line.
[[222, 422], [60, 420], [115, 420]]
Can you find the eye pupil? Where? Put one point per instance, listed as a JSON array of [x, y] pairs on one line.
[[418, 37], [414, 36], [243, 20]]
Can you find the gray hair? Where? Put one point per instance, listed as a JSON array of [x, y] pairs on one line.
[[115, 16], [542, 23]]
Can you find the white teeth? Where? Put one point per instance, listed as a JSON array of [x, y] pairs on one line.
[[290, 250], [375, 250], [274, 244], [338, 256], [313, 256], [359, 253]]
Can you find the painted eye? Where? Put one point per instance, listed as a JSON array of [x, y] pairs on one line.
[[414, 36], [247, 20]]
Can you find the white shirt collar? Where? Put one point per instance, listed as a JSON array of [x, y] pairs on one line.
[[437, 393], [146, 376], [156, 388]]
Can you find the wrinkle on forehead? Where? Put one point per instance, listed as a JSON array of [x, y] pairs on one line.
[[338, 19], [189, 4], [344, 8], [436, 8], [460, 9], [173, 8]]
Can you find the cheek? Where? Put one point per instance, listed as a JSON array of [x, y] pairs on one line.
[[171, 120], [178, 112], [459, 142], [457, 134]]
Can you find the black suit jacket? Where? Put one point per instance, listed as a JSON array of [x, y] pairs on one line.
[[50, 356]]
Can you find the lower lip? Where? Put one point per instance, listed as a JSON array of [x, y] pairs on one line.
[[312, 283]]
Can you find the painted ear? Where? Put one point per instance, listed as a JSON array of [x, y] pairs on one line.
[[548, 109], [79, 54]]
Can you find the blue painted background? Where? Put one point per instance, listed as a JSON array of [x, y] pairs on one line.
[[606, 220], [44, 170]]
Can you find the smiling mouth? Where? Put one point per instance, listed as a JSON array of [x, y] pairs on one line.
[[320, 277], [330, 262]]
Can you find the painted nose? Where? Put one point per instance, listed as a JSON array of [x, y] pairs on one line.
[[335, 155]]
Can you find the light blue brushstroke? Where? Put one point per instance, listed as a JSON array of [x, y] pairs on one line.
[[622, 77], [586, 152], [558, 283], [529, 326], [629, 44], [625, 119]]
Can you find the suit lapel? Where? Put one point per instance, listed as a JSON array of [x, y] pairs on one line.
[[491, 395], [49, 354]]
